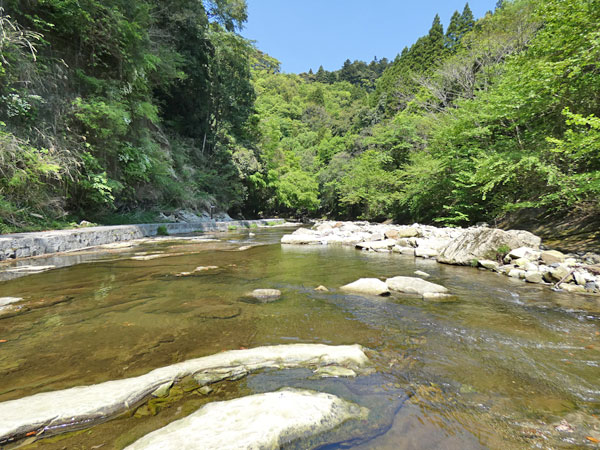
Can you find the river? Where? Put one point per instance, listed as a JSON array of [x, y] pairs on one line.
[[497, 367]]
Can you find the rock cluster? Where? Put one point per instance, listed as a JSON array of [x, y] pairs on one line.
[[515, 253], [566, 272]]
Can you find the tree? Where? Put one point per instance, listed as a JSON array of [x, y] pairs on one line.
[[467, 22], [453, 31]]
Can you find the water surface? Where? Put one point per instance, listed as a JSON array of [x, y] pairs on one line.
[[497, 367]]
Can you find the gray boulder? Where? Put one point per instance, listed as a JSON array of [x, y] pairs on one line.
[[525, 253], [552, 256], [489, 264], [483, 243], [369, 286], [412, 285]]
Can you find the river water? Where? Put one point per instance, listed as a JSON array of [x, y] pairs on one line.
[[498, 367]]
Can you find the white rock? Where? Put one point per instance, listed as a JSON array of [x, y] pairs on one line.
[[525, 252], [370, 286], [426, 252], [89, 404], [580, 279], [263, 421], [572, 288], [406, 232], [376, 245], [560, 272], [412, 285], [552, 256], [302, 236], [521, 262], [531, 267], [324, 228], [516, 273], [534, 277], [489, 264], [8, 300], [404, 250]]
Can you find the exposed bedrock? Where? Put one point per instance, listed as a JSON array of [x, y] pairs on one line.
[[263, 421], [73, 408]]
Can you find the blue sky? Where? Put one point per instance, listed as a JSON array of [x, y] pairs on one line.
[[304, 34]]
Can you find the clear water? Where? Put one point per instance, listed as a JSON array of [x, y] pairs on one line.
[[496, 368]]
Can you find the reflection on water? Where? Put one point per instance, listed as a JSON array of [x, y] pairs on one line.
[[496, 368]]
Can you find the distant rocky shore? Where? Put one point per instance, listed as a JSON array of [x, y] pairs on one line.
[[515, 253]]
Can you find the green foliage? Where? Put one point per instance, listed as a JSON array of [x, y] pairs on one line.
[[162, 231], [146, 105], [501, 253], [162, 104]]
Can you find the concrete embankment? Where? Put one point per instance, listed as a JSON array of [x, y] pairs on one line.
[[25, 245]]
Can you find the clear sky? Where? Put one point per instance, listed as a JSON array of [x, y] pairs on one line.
[[305, 34]]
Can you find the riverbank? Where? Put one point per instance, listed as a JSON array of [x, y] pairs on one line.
[[516, 253], [25, 245]]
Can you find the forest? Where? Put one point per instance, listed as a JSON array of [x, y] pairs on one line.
[[113, 111]]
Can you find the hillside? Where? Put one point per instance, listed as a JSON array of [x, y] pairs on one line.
[[168, 106]]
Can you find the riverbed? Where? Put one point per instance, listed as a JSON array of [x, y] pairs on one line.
[[498, 366]]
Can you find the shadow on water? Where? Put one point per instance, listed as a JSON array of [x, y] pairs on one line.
[[495, 367]]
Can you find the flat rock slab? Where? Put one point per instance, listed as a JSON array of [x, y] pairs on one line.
[[369, 286], [413, 285], [263, 421], [8, 300], [11, 309], [68, 409]]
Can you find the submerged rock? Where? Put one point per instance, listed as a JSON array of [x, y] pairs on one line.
[[369, 286], [412, 285], [484, 243], [420, 273], [438, 297], [265, 295], [335, 372], [68, 409], [263, 421], [321, 289]]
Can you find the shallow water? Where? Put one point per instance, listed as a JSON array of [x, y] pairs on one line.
[[496, 368]]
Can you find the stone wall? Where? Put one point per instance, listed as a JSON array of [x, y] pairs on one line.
[[25, 245]]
